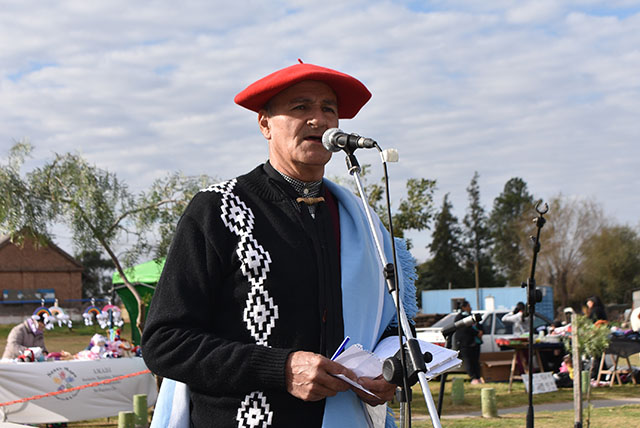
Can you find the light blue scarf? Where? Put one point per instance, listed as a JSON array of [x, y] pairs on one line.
[[367, 311], [368, 308]]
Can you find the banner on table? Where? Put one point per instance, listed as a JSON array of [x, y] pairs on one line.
[[102, 397]]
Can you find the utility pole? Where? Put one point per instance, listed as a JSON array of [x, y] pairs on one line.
[[477, 271]]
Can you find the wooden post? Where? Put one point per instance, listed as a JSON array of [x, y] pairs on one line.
[[457, 390], [140, 410], [586, 381], [126, 419], [488, 401], [577, 373]]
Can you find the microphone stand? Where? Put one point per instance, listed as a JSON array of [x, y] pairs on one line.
[[443, 376], [448, 335], [411, 349], [533, 295]]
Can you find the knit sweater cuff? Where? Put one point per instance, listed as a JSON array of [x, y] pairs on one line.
[[269, 364]]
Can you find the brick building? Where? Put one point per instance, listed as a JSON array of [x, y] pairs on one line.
[[29, 273]]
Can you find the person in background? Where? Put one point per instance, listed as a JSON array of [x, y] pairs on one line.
[[468, 341], [634, 319], [517, 318], [598, 314], [27, 334], [595, 309]]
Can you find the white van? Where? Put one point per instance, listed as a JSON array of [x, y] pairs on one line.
[[492, 328]]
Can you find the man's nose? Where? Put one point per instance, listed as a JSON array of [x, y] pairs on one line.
[[317, 118]]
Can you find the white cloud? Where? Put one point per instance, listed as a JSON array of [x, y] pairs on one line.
[[541, 90], [534, 11]]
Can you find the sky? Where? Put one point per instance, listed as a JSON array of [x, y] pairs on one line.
[[544, 90]]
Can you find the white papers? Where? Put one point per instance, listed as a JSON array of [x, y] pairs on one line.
[[443, 359], [352, 383], [362, 363], [368, 364]]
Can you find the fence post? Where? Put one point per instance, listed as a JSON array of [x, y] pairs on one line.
[[125, 419], [489, 405], [457, 390], [586, 380], [140, 410], [577, 373]]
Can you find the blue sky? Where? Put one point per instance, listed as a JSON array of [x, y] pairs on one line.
[[543, 90]]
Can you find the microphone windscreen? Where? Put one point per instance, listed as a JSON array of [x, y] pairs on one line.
[[390, 155], [327, 139]]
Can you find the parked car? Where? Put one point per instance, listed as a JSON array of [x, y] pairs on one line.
[[492, 328]]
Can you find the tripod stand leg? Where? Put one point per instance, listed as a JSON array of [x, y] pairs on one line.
[[443, 380]]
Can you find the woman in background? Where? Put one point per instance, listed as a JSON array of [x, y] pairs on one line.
[[595, 309], [517, 318]]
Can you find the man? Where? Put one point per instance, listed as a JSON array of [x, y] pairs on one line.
[[268, 272], [468, 341], [28, 334]]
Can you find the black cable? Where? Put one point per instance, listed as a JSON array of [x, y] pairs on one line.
[[405, 380]]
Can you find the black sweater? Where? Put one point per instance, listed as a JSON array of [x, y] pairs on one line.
[[250, 278]]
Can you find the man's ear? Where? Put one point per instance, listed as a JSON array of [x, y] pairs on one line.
[[264, 124]]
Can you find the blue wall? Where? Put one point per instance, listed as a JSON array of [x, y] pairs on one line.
[[439, 301]]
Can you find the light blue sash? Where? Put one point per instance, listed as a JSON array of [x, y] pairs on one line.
[[368, 308]]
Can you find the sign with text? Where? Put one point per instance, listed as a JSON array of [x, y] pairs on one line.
[[99, 388], [542, 382]]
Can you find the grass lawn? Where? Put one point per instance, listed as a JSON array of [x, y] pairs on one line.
[[78, 338], [609, 417], [517, 397]]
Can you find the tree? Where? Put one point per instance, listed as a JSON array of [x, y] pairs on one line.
[[444, 268], [98, 209], [414, 212], [478, 239], [506, 225], [570, 223], [96, 274], [612, 263]]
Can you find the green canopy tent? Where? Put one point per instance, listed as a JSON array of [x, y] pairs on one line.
[[144, 277]]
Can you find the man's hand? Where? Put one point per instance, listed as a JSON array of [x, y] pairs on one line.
[[308, 376], [378, 386]]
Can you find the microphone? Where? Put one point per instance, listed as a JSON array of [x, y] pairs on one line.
[[464, 322], [335, 139]]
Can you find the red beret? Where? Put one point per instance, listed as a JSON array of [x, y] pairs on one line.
[[351, 93]]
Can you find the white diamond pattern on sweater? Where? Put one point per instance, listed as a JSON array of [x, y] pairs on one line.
[[260, 312], [254, 412]]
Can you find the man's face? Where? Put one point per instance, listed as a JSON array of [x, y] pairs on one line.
[[294, 124]]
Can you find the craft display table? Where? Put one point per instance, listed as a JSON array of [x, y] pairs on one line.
[[619, 347], [521, 356]]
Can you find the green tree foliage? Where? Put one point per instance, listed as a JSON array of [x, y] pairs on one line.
[[99, 210], [414, 212], [612, 263], [506, 225], [478, 239], [444, 268], [593, 338], [96, 274]]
